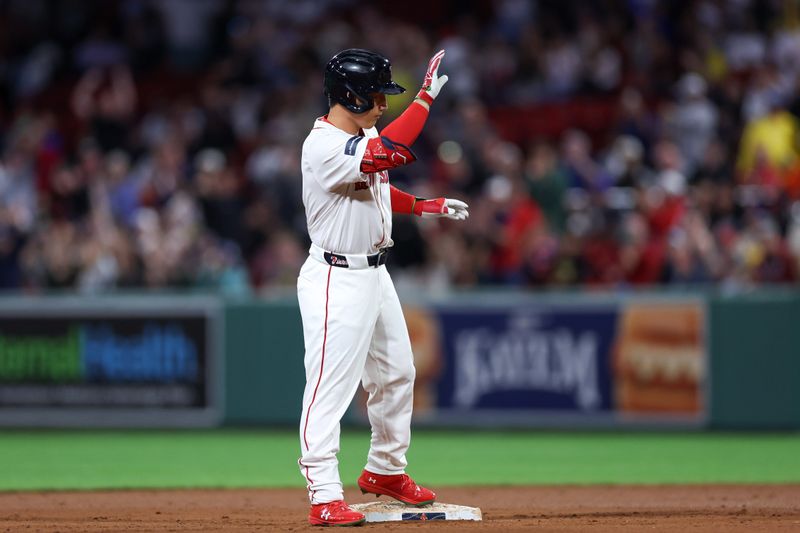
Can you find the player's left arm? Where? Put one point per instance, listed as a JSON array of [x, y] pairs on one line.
[[402, 202], [392, 148]]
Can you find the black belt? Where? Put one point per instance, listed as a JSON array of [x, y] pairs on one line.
[[356, 261], [377, 259]]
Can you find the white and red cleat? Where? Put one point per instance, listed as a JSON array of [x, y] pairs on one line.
[[398, 486], [335, 513]]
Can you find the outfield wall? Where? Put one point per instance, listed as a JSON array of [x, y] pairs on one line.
[[755, 360], [490, 359]]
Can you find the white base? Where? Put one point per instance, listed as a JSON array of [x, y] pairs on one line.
[[396, 511]]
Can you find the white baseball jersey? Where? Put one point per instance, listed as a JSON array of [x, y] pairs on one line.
[[348, 211], [353, 326]]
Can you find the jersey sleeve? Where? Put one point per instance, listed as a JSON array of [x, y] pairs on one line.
[[336, 160]]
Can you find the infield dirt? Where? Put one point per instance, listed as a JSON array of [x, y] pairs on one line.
[[752, 508]]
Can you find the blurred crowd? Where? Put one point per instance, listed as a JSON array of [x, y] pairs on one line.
[[155, 144]]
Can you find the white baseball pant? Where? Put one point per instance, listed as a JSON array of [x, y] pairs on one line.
[[354, 331]]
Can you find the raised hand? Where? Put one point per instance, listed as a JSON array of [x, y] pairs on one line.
[[432, 83]]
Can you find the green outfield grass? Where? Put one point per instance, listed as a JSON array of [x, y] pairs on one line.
[[86, 459]]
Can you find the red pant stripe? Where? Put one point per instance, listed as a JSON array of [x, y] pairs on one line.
[[322, 363]]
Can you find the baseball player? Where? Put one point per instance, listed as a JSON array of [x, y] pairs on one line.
[[353, 325]]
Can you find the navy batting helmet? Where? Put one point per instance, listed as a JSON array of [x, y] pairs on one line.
[[358, 73]]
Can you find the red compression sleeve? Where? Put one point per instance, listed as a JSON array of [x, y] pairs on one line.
[[406, 128], [402, 202], [391, 149]]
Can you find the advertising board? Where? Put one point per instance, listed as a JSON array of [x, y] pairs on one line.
[[148, 361]]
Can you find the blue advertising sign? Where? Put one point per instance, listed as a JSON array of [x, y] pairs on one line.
[[527, 358], [632, 361]]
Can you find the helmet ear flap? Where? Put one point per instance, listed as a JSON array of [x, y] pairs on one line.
[[355, 102]]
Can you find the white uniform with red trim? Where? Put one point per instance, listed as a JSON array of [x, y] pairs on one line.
[[353, 324]]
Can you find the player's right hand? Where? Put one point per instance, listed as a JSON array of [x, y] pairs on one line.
[[441, 207], [432, 83]]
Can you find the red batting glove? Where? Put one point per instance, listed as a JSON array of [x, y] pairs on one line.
[[432, 83], [441, 207]]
